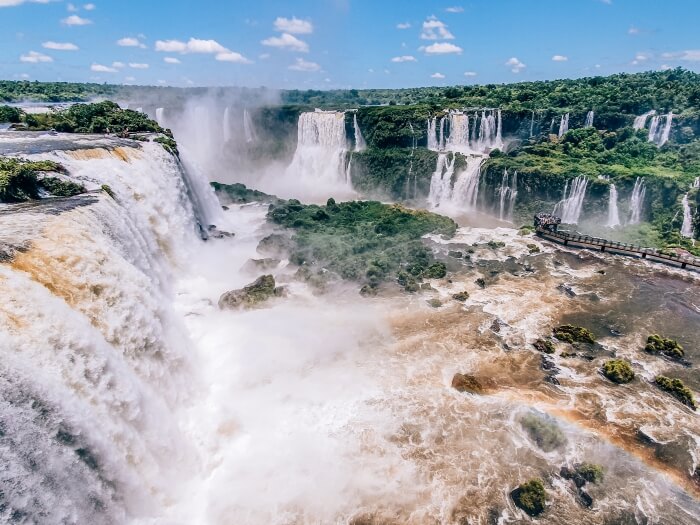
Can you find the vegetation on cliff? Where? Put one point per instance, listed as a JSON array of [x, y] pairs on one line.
[[367, 242], [22, 180]]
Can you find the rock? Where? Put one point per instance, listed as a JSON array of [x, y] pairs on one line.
[[618, 371], [455, 254], [481, 283], [434, 303], [426, 287], [585, 499], [215, 233], [530, 497], [461, 296], [467, 383], [566, 289], [590, 472], [601, 272], [251, 295], [677, 389], [544, 345], [274, 245], [436, 270], [548, 364], [552, 379], [368, 291], [533, 248], [544, 431]]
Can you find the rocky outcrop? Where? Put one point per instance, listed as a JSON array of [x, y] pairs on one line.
[[530, 497], [251, 296]]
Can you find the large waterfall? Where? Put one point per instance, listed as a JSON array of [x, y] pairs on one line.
[[687, 227], [640, 122], [613, 212], [360, 144], [563, 125], [507, 194], [467, 134], [660, 129], [318, 168], [637, 201], [589, 119], [569, 208], [455, 194]]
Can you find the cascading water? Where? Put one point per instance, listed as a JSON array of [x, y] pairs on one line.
[[532, 124], [411, 190], [432, 134], [687, 227], [637, 201], [570, 207], [613, 212], [564, 125], [640, 122], [319, 162], [666, 132], [441, 139], [589, 119], [659, 134], [248, 128], [360, 144], [507, 193], [441, 181], [478, 135]]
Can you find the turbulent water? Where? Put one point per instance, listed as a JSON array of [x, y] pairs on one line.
[[129, 397]]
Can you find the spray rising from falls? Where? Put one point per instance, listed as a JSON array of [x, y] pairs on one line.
[[226, 131], [589, 120], [637, 201], [569, 208], [563, 125], [160, 116], [687, 227], [508, 192], [613, 212], [248, 128]]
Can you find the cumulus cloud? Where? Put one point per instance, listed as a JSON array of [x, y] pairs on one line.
[[437, 75], [689, 55], [404, 58], [128, 41], [286, 41], [515, 65], [171, 60], [455, 9], [99, 68], [560, 58], [89, 7], [232, 56], [470, 73], [442, 48], [34, 57], [403, 25], [75, 20], [118, 64], [633, 31], [196, 45], [71, 8], [60, 46], [434, 29], [133, 65], [303, 65], [293, 25]]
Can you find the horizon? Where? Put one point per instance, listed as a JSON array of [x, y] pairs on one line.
[[342, 44]]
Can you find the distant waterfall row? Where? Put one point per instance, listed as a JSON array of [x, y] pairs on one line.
[[208, 121], [659, 127], [469, 135]]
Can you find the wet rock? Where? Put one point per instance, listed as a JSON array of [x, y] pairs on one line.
[[530, 497], [544, 431], [434, 303], [645, 438], [667, 347], [548, 364], [552, 379], [467, 383], [461, 296], [574, 334], [274, 245], [426, 287], [544, 346], [251, 295], [455, 254], [215, 233], [533, 248], [480, 282], [496, 325], [585, 499], [601, 272], [566, 289], [677, 389]]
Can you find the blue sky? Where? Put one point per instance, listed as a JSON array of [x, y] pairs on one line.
[[342, 43]]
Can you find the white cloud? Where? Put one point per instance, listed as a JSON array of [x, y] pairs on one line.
[[60, 46], [171, 46], [633, 31], [193, 45], [118, 64], [437, 75], [232, 56], [75, 20], [133, 65], [665, 67], [689, 55], [128, 41], [470, 73], [171, 60], [89, 7], [404, 58], [515, 65], [404, 25], [286, 41], [293, 25], [434, 29], [560, 58], [303, 65], [71, 8], [455, 9], [34, 57], [11, 3], [130, 79], [99, 68], [442, 48], [23, 75]]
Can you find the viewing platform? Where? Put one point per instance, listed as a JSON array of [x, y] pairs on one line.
[[546, 227]]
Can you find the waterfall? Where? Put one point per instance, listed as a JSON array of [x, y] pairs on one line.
[[666, 133], [569, 208], [637, 201], [507, 195], [458, 196], [659, 134], [360, 144], [248, 128], [466, 188], [613, 213], [160, 117], [564, 125], [589, 120], [432, 135], [468, 138], [532, 124], [687, 227], [226, 131], [696, 183], [441, 143], [654, 128], [319, 160], [640, 122], [414, 144], [459, 133], [441, 181]]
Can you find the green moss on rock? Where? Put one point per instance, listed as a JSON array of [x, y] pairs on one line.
[[544, 345], [251, 295], [573, 334], [530, 497], [618, 371], [677, 389], [20, 180], [668, 347]]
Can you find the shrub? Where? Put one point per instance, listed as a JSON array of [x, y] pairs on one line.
[[668, 347], [573, 334], [530, 497], [677, 389], [544, 345], [618, 371]]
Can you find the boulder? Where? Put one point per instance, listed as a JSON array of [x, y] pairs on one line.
[[461, 296], [543, 345], [467, 383], [251, 295], [530, 497]]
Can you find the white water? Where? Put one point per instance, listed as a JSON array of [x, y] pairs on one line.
[[475, 135], [432, 136], [659, 134], [640, 122], [563, 125], [637, 201], [411, 190], [441, 181], [569, 208], [589, 120], [318, 169], [508, 193], [687, 227], [360, 144], [696, 183], [160, 117], [455, 194], [613, 212], [226, 131]]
